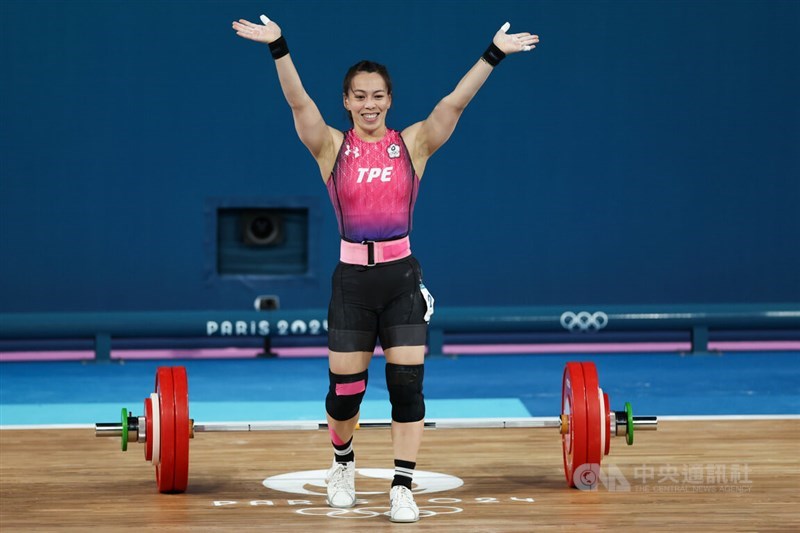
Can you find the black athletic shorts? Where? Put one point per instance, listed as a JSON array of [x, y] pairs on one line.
[[387, 300]]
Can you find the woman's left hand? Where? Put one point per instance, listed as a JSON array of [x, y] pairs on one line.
[[510, 43]]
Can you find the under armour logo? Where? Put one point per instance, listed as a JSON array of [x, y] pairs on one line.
[[353, 151]]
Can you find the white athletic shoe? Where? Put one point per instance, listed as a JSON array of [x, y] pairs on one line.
[[403, 507], [341, 480]]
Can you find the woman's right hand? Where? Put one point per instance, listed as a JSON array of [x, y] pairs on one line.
[[514, 42], [263, 33]]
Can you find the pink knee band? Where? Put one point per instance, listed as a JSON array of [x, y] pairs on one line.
[[349, 389]]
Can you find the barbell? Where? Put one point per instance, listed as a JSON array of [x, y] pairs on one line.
[[586, 425]]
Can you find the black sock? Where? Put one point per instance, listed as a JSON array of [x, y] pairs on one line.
[[344, 453], [403, 473]]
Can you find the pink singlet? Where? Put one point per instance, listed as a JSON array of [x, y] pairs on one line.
[[373, 188]]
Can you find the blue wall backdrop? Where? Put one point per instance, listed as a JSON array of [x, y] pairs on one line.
[[645, 152]]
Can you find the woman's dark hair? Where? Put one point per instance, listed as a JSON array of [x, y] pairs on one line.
[[365, 66]]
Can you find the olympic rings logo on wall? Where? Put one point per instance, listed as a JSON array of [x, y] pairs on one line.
[[584, 321]]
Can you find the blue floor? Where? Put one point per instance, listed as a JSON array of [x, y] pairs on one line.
[[469, 386]]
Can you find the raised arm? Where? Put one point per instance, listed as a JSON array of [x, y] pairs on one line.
[[318, 137], [427, 136]]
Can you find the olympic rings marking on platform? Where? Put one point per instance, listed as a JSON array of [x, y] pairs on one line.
[[372, 512], [584, 320], [312, 482]]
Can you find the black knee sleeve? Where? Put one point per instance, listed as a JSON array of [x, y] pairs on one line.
[[405, 392], [345, 394]]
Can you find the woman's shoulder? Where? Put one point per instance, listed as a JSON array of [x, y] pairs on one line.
[[409, 134]]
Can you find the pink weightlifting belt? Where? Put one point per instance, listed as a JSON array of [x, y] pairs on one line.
[[370, 253]]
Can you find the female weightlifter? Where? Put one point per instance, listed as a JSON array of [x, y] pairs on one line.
[[372, 174]]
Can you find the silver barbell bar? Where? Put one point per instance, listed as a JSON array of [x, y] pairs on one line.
[[136, 429]]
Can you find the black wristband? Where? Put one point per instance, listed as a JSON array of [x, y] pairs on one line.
[[278, 48], [493, 55]]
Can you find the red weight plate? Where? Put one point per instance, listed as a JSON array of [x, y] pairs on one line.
[[181, 385], [148, 422], [608, 423], [594, 422], [165, 472], [573, 404]]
